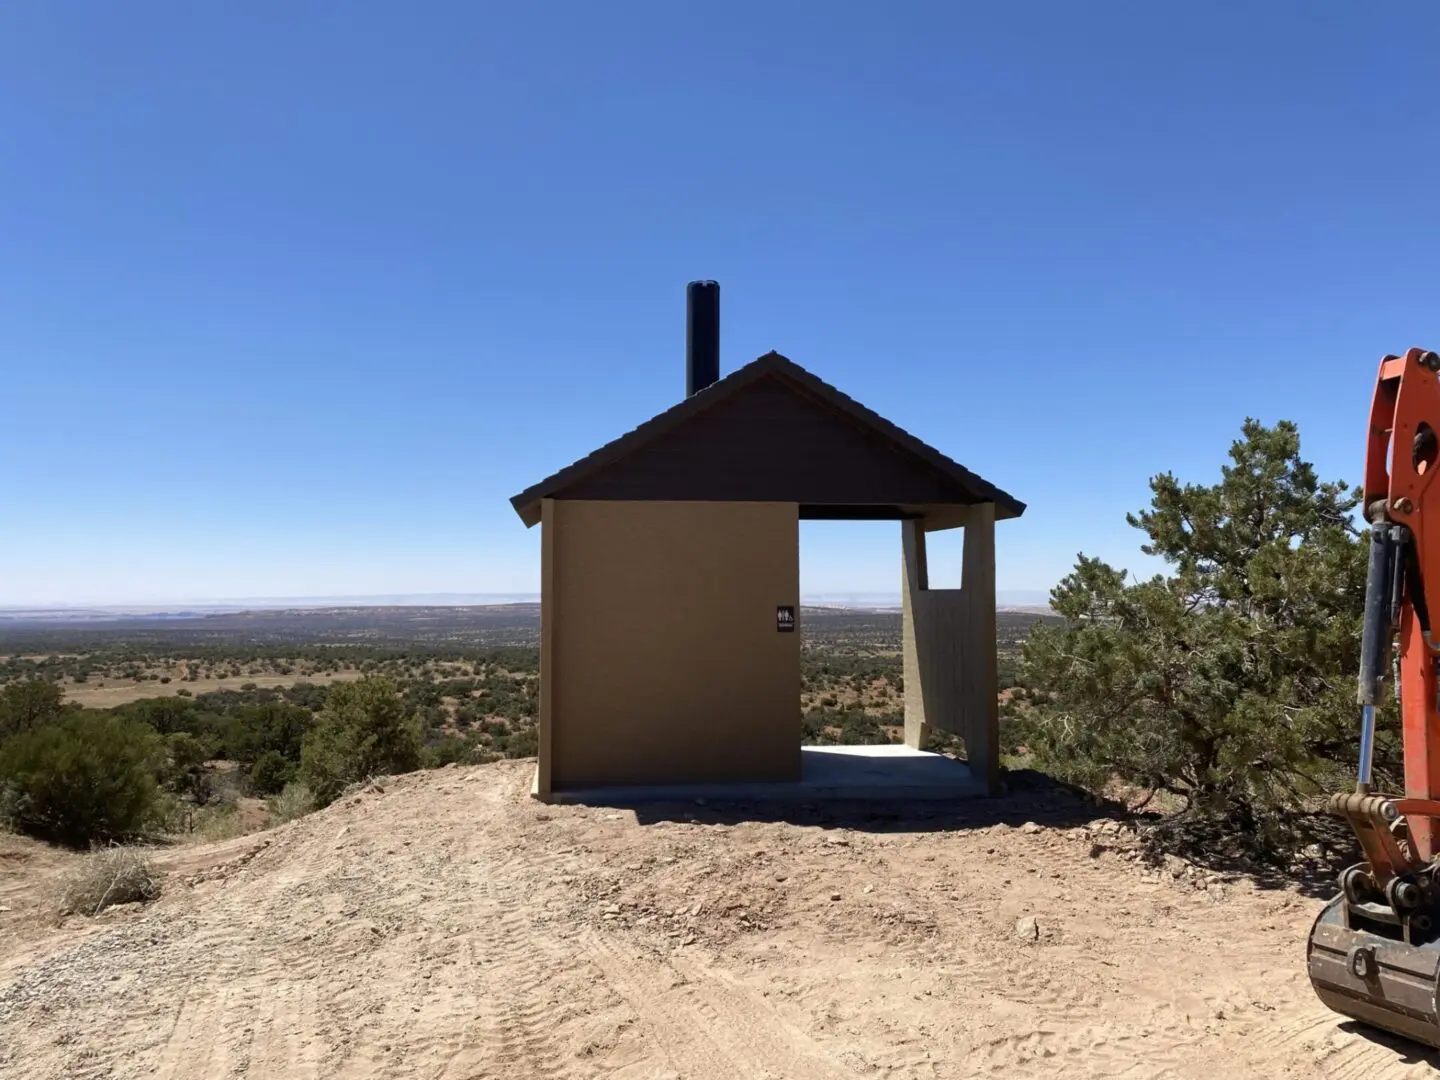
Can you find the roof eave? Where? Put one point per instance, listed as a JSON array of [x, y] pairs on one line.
[[1006, 509]]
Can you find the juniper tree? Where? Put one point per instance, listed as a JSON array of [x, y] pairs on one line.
[[1229, 680]]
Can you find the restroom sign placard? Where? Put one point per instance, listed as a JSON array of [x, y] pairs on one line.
[[785, 619]]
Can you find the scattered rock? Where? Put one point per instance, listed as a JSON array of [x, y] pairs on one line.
[[1030, 827], [113, 910], [834, 896], [1027, 929]]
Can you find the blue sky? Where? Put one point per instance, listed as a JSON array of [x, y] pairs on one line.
[[294, 296]]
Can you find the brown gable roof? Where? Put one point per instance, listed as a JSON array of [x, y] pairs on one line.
[[841, 438]]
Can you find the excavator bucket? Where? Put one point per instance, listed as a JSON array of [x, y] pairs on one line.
[[1374, 979], [1374, 951]]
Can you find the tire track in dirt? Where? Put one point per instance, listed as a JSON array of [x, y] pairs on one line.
[[196, 1048], [516, 966], [534, 963], [1339, 1049], [286, 1044], [707, 1027], [249, 966], [1091, 1051], [465, 1053]]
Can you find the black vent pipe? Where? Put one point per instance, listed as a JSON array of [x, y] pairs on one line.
[[702, 335]]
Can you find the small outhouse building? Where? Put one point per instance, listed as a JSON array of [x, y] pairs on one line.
[[670, 578]]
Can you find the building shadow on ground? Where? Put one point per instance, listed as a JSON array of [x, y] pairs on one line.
[[1029, 796]]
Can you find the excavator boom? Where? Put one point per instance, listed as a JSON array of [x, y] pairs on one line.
[[1374, 951]]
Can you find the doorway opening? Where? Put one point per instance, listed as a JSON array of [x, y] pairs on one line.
[[851, 662]]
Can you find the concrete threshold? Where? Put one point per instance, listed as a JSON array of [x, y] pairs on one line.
[[833, 773]]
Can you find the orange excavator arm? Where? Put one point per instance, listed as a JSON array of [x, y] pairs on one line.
[[1374, 951], [1400, 497]]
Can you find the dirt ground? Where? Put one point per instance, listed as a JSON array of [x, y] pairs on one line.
[[445, 926]]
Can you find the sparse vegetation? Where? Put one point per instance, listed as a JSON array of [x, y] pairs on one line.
[[467, 683]]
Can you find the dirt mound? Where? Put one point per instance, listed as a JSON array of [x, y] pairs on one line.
[[443, 925]]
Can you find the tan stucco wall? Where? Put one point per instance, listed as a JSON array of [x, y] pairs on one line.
[[948, 641], [660, 658]]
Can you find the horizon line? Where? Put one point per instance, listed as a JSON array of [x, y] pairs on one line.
[[440, 599]]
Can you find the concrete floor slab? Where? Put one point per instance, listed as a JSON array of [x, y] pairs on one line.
[[890, 772]]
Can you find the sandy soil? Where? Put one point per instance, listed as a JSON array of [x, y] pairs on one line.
[[445, 926]]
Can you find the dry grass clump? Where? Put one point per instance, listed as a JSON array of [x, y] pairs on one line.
[[219, 821], [296, 800], [113, 875]]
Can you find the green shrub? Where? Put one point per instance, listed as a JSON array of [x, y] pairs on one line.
[[855, 727], [521, 744], [365, 730], [448, 750], [271, 772], [29, 703], [171, 815], [89, 778], [184, 771], [249, 731], [166, 715]]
